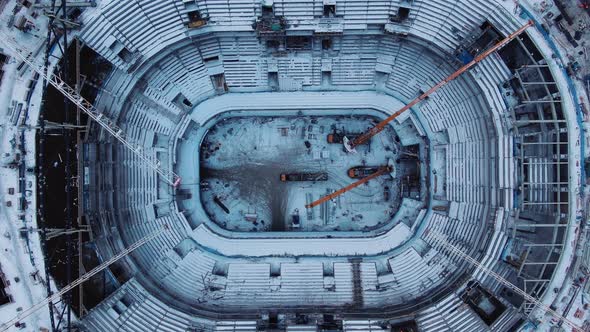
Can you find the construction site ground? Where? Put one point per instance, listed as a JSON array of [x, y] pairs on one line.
[[242, 160]]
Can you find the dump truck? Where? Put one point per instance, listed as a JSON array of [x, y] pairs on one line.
[[287, 177]]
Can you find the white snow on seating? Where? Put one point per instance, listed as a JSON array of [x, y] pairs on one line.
[[253, 247]]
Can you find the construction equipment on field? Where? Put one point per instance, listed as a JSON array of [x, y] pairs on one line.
[[382, 171], [288, 177], [107, 124], [25, 313], [442, 240], [352, 144], [360, 172]]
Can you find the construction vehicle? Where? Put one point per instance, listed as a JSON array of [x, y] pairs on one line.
[[288, 177], [50, 299], [337, 137], [382, 171], [351, 143], [361, 172], [219, 203]]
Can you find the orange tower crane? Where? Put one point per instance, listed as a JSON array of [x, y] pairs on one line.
[[351, 144], [382, 170], [93, 113]]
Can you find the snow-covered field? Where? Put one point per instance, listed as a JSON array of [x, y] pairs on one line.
[[243, 158]]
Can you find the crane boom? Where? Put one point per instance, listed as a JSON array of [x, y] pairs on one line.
[[381, 171], [381, 125], [25, 313], [441, 239], [107, 124]]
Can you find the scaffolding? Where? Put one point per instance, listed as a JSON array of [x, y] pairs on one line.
[[66, 290], [535, 303], [538, 227], [107, 124]]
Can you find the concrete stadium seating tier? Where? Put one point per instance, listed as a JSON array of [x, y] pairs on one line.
[[198, 276]]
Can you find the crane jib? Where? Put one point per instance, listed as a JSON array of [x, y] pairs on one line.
[[378, 127]]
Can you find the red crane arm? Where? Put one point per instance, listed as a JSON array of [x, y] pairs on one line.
[[381, 125], [381, 171]]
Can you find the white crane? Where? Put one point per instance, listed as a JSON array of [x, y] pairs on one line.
[[107, 124], [25, 313], [442, 240]]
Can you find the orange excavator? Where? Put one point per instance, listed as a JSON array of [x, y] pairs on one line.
[[350, 145]]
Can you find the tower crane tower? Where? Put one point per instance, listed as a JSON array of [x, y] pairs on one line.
[[107, 124], [456, 251], [27, 312]]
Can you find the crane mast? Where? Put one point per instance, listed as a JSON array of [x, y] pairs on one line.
[[351, 145], [442, 240], [25, 313], [107, 124]]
